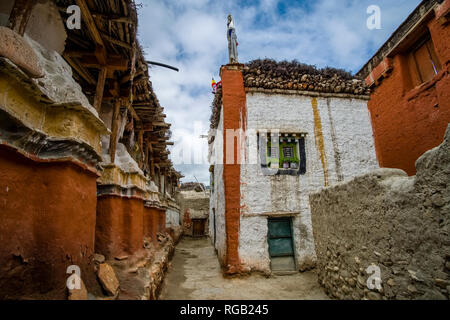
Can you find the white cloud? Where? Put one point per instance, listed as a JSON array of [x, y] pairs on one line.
[[191, 35]]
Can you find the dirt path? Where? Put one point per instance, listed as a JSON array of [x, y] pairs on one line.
[[195, 274]]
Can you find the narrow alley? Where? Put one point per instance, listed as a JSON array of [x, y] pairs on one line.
[[271, 150], [195, 274]]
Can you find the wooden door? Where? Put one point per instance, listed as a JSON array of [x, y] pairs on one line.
[[198, 227], [281, 244]]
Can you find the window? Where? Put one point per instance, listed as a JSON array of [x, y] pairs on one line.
[[423, 61], [285, 153], [288, 152], [273, 151]]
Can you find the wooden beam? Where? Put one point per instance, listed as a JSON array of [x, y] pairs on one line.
[[146, 127], [133, 112], [101, 55], [141, 146], [98, 98], [113, 63], [81, 71], [110, 74], [149, 146], [90, 23], [161, 124], [113, 18], [114, 130], [75, 53], [117, 42], [128, 76], [114, 91]]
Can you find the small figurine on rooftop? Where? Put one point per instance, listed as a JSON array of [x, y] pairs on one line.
[[232, 41]]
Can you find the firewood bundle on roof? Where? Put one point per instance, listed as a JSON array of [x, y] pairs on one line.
[[216, 106], [269, 74]]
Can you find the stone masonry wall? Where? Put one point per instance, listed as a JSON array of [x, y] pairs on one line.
[[193, 205], [400, 224]]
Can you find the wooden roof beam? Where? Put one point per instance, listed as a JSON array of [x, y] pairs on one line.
[[81, 71], [101, 55], [112, 63], [113, 18], [117, 42], [90, 23], [146, 127], [133, 112], [98, 98]]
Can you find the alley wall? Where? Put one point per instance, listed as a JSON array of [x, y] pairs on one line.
[[389, 221]]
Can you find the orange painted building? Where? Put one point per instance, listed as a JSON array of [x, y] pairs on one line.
[[234, 117], [78, 173], [409, 78]]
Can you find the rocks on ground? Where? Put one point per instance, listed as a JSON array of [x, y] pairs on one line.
[[108, 279]]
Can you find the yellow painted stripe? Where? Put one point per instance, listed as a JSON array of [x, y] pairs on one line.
[[318, 137]]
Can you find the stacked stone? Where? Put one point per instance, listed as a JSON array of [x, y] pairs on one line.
[[269, 74], [216, 107], [390, 222], [188, 186]]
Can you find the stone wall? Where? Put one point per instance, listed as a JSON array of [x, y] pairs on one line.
[[193, 205], [217, 199], [400, 224]]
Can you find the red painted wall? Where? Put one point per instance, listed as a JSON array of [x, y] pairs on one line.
[[162, 220], [409, 121], [234, 117], [47, 222], [120, 226], [151, 223]]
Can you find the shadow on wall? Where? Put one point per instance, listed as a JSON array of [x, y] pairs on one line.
[[397, 224]]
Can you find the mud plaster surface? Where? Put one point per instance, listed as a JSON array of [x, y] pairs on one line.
[[195, 274]]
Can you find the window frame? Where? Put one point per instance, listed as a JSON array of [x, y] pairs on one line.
[[298, 156], [417, 66]]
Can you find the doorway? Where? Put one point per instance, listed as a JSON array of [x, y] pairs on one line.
[[198, 227], [281, 244]]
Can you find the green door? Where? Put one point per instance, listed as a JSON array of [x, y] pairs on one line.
[[281, 245]]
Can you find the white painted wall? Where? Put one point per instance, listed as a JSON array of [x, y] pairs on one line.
[[263, 195], [217, 199], [172, 218]]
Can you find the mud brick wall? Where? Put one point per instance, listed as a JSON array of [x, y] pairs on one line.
[[400, 224], [120, 226], [47, 223], [421, 112]]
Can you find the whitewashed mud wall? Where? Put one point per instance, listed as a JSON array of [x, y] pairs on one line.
[[348, 151], [396, 223], [217, 198], [172, 218]]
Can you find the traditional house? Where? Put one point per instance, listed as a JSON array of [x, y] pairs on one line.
[[83, 144], [194, 209], [278, 132], [409, 78]]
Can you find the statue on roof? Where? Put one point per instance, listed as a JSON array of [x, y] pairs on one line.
[[232, 41]]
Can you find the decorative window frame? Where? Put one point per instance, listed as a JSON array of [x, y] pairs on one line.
[[279, 164]]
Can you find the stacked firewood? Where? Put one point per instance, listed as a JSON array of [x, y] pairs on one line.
[[269, 74], [189, 186], [216, 107]]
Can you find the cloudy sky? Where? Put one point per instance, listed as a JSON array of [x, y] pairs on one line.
[[191, 35]]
